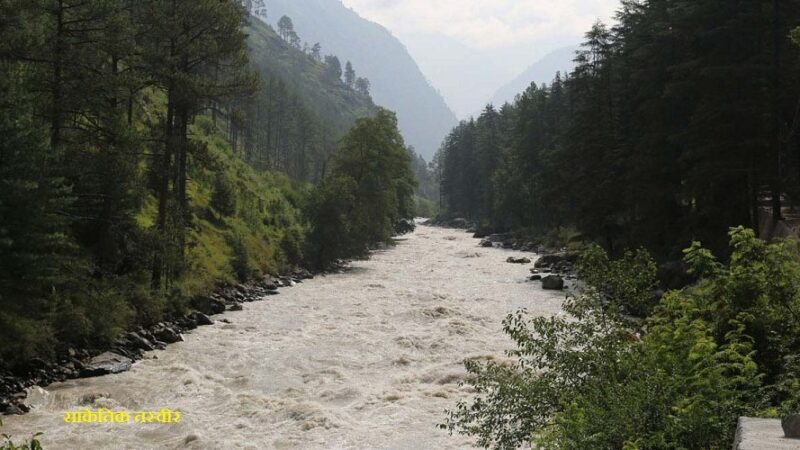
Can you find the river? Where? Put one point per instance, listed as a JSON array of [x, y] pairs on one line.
[[368, 359]]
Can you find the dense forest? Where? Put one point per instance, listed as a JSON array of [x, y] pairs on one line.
[[154, 149], [675, 139], [678, 122]]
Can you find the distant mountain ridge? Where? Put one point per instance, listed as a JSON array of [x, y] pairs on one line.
[[397, 82], [542, 71]]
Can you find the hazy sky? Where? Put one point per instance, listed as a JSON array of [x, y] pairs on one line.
[[469, 48]]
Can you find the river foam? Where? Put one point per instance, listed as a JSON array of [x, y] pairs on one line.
[[368, 359]]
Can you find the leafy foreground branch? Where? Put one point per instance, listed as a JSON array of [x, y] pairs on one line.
[[7, 444], [599, 378]]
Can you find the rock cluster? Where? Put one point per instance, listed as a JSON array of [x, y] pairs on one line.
[[131, 347], [513, 260], [791, 426], [508, 241], [457, 223]]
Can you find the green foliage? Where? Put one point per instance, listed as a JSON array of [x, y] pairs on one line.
[[427, 192], [628, 283], [369, 190], [425, 207], [596, 379], [758, 289], [292, 244], [331, 235], [8, 444], [664, 133], [223, 199], [240, 262], [235, 247], [36, 250]]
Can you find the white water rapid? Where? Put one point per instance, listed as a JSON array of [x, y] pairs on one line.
[[368, 359]]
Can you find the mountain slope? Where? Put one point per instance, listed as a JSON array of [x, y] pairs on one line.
[[397, 82], [330, 101], [542, 71]]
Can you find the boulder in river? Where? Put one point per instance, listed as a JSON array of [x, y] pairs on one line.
[[556, 259], [208, 305], [513, 260], [553, 283], [405, 226], [791, 426], [486, 244], [460, 223], [270, 283], [136, 341], [200, 319], [166, 334], [536, 277], [499, 238], [106, 363]]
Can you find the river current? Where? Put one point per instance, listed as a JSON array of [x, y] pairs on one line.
[[367, 359]]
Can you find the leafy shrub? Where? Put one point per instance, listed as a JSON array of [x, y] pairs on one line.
[[629, 283], [240, 261], [595, 379], [8, 444], [759, 288], [292, 245], [223, 199], [425, 207]]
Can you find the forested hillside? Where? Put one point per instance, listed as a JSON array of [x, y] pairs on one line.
[[303, 108], [677, 123], [150, 155], [397, 83]]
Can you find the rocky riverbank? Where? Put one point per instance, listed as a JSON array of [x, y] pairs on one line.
[[553, 267], [131, 347]]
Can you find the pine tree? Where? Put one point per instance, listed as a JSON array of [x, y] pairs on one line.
[[333, 68], [349, 75], [285, 27], [36, 252], [363, 86], [197, 52]]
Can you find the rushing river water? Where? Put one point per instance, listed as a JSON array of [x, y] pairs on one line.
[[368, 359]]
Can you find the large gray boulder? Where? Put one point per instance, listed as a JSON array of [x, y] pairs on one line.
[[553, 283], [791, 427], [106, 363], [167, 334], [513, 260], [200, 319], [556, 259], [208, 305], [499, 238]]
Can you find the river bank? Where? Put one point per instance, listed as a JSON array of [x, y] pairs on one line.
[[131, 347]]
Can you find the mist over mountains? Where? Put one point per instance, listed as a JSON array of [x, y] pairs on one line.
[[397, 82], [542, 71]]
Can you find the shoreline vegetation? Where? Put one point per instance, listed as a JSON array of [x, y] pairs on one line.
[[632, 366]]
